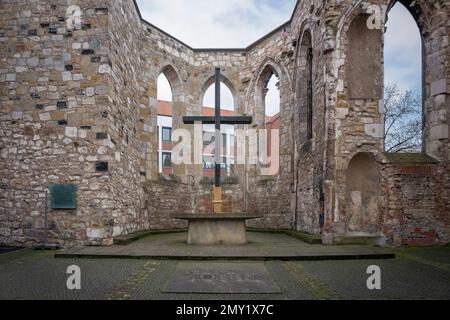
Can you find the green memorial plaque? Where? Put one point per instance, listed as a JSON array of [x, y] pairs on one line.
[[63, 196]]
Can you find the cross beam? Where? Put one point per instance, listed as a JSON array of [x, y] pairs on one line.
[[217, 120], [223, 120]]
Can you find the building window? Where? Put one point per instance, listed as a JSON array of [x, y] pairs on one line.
[[210, 163], [209, 139], [167, 160], [166, 134], [224, 141]]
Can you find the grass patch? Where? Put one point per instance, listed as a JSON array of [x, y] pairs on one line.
[[411, 159]]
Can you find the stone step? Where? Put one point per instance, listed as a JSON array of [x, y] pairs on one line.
[[360, 238], [129, 238]]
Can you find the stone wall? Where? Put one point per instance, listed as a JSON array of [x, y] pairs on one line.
[[170, 196], [22, 217], [127, 101], [73, 101], [417, 198], [53, 94], [356, 114]]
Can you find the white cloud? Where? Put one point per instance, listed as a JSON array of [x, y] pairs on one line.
[[217, 23]]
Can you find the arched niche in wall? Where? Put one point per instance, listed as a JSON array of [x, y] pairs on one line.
[[168, 99], [363, 194], [228, 108], [364, 60], [305, 87]]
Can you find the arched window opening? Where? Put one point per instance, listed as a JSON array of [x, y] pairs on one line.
[[310, 95], [165, 124], [403, 82], [227, 131], [272, 121]]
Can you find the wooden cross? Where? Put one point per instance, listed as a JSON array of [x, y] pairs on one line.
[[217, 120]]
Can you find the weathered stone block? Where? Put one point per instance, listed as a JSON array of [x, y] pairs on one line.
[[438, 87], [66, 76], [374, 130], [439, 132], [71, 132]]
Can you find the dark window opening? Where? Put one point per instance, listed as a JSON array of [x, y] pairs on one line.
[[166, 134], [167, 160], [310, 96]]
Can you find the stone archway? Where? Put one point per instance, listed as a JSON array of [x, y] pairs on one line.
[[363, 194], [224, 80]]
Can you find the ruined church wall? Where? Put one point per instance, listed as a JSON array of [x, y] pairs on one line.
[[128, 101], [190, 72], [167, 198], [195, 70], [270, 196], [309, 154], [347, 119], [53, 91], [73, 100], [357, 106]]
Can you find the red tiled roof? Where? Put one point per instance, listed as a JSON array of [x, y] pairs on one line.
[[210, 112], [165, 109], [272, 119]]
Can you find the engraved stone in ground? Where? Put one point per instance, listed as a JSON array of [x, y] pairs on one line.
[[190, 277]]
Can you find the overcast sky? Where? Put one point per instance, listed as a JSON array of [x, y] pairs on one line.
[[238, 23], [403, 50]]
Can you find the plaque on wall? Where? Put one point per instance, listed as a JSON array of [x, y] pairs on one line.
[[63, 196]]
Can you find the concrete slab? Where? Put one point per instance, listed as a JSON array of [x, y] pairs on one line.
[[261, 246]]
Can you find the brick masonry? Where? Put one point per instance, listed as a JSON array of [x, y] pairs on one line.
[[74, 98]]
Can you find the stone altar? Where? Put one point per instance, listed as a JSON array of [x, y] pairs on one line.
[[215, 229]]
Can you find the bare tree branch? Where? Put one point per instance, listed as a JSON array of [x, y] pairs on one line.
[[403, 120]]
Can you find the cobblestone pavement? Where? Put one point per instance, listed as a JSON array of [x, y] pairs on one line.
[[418, 273]]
